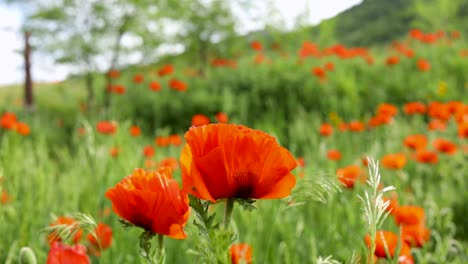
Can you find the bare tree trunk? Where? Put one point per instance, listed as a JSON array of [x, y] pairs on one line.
[[28, 85]]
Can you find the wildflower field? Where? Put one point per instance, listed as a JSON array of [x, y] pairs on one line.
[[262, 158]]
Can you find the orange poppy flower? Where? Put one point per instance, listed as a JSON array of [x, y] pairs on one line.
[[8, 121], [379, 120], [135, 131], [148, 151], [409, 215], [260, 58], [329, 66], [138, 78], [166, 70], [162, 141], [169, 162], [326, 130], [60, 253], [386, 109], [175, 140], [153, 201], [437, 124], [364, 161], [241, 253], [439, 111], [114, 74], [177, 85], [455, 107], [334, 154], [416, 34], [425, 156], [67, 221], [4, 197], [155, 86], [444, 146], [415, 142], [22, 128], [348, 175], [455, 34], [256, 45], [114, 152], [388, 240], [102, 238], [393, 60], [342, 126], [200, 120], [423, 65], [319, 72], [463, 130], [222, 117], [392, 204], [356, 126], [415, 235], [234, 161], [414, 108], [118, 89], [106, 127], [394, 161]]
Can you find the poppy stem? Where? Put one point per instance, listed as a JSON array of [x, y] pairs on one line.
[[160, 248], [228, 212]]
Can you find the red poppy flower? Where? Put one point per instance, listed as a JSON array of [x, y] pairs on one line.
[[414, 108], [423, 65], [114, 152], [356, 126], [155, 86], [334, 154], [135, 131], [463, 130], [101, 239], [22, 128], [234, 161], [326, 130], [153, 201], [425, 156], [348, 175], [386, 109], [393, 60], [177, 85], [138, 78], [439, 111], [222, 117], [256, 45], [415, 235], [394, 161], [113, 74], [148, 151], [437, 124], [4, 197], [60, 253], [416, 142], [200, 120], [162, 141], [392, 204], [409, 215], [8, 121], [329, 66], [106, 127], [68, 221], [166, 70], [175, 140], [319, 72], [241, 253], [386, 240], [169, 162], [444, 146], [118, 89], [301, 162]]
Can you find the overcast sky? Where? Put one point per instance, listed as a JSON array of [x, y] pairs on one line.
[[11, 62]]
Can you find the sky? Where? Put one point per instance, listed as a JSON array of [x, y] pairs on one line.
[[11, 61]]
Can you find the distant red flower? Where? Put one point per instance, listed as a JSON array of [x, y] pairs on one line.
[[356, 126], [114, 152], [101, 239], [106, 127], [135, 131], [439, 111], [256, 45], [118, 89], [241, 253], [4, 197], [22, 128], [8, 121], [155, 86], [387, 109], [463, 130], [200, 120], [138, 78], [348, 175], [437, 124], [394, 161], [414, 108], [423, 65], [114, 74], [162, 141], [301, 162], [392, 204], [148, 151], [166, 70], [175, 140], [177, 85], [415, 235], [222, 117], [444, 146], [326, 130], [393, 60], [425, 156], [386, 240], [456, 34], [66, 221], [409, 215], [169, 162], [334, 154], [329, 66], [416, 142], [133, 196], [319, 72], [63, 254]]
